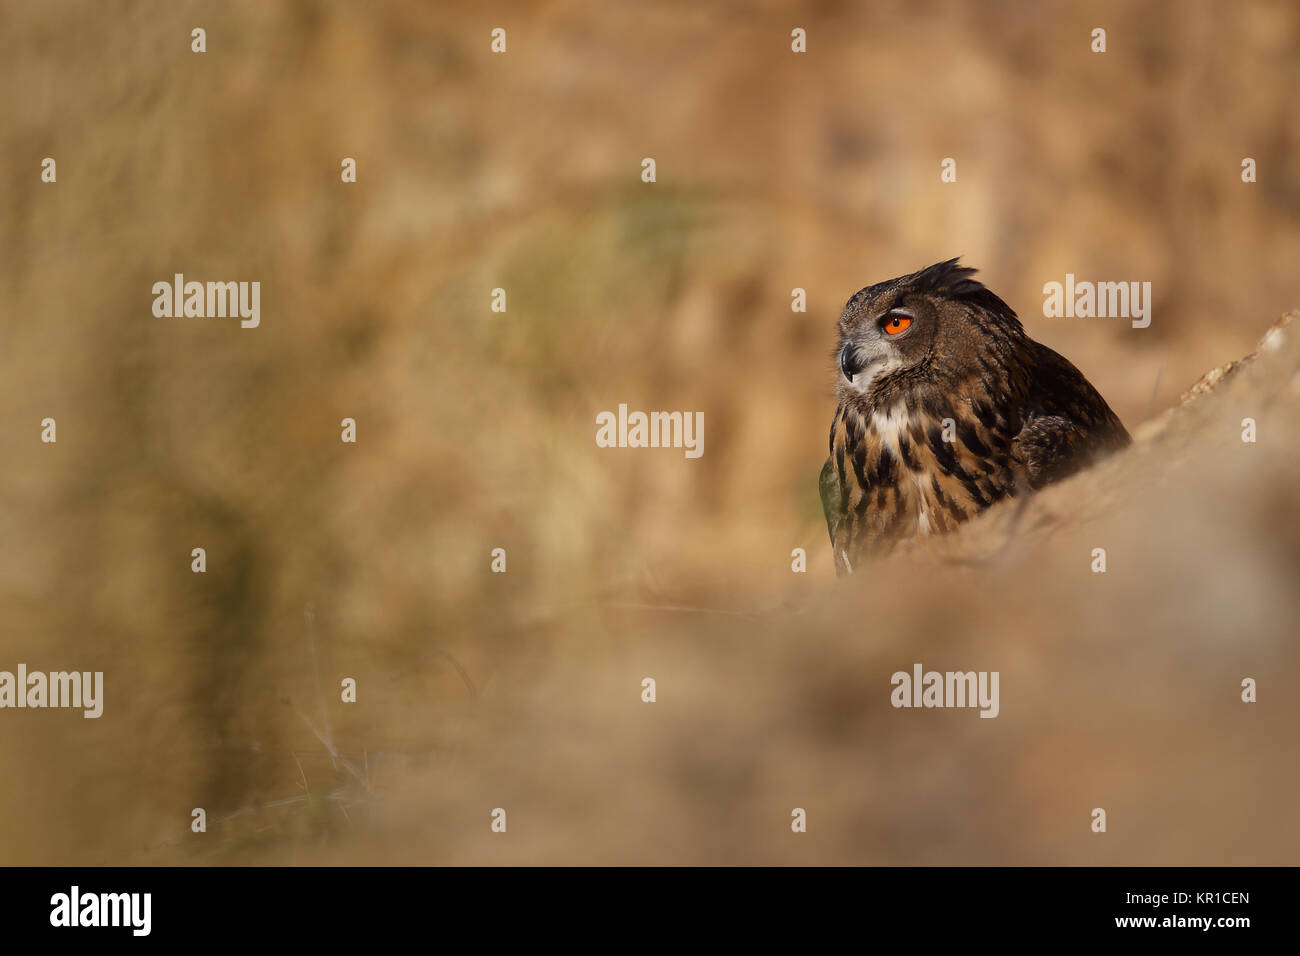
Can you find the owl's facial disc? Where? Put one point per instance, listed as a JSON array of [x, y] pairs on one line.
[[862, 366], [870, 351]]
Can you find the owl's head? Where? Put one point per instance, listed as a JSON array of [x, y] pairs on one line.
[[919, 330]]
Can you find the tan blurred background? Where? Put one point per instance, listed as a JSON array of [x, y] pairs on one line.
[[476, 431]]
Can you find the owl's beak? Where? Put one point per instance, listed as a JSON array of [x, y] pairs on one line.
[[851, 362]]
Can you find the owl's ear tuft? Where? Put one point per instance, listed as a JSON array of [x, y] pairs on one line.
[[945, 278], [953, 281]]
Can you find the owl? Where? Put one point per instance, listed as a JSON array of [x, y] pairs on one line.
[[945, 407]]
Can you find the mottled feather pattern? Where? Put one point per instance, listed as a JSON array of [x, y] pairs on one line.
[[946, 407]]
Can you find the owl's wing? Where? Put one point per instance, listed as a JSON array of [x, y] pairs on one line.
[[1052, 447], [828, 483], [1069, 426], [829, 486]]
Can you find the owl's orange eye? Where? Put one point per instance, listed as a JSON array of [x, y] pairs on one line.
[[896, 323]]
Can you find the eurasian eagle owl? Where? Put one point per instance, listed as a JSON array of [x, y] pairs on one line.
[[945, 407]]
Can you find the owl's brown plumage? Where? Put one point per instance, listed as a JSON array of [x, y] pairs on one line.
[[945, 407]]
